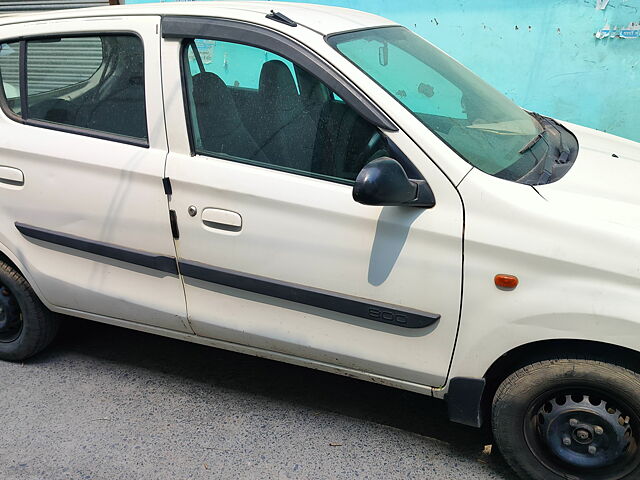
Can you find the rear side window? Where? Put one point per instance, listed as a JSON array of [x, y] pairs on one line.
[[94, 84]]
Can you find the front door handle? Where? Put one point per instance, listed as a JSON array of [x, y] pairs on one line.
[[222, 219], [11, 176]]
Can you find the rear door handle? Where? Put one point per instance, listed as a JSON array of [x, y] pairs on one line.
[[222, 219], [11, 176]]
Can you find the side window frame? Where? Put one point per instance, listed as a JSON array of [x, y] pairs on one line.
[[187, 29], [190, 28], [23, 117]]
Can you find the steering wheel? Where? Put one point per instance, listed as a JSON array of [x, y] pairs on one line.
[[375, 144]]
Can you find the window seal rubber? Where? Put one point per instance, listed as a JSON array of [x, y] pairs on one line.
[[22, 69]]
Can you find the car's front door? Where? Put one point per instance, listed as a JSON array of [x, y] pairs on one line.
[[83, 131], [274, 251]]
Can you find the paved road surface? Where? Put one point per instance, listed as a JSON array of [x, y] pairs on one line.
[[104, 403]]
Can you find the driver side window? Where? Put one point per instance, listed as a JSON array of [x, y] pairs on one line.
[[252, 106]]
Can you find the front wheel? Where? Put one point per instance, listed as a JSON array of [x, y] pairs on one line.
[[571, 418]]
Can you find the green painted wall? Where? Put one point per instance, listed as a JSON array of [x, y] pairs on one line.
[[543, 54]]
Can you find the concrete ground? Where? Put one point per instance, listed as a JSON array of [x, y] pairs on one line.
[[104, 403]]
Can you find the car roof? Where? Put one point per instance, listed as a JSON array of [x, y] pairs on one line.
[[320, 18]]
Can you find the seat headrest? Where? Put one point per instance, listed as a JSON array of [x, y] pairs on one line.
[[214, 103], [209, 88], [277, 86]]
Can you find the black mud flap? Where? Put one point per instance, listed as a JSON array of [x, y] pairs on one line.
[[464, 400]]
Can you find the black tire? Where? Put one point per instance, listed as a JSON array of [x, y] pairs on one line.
[[26, 325], [570, 419]]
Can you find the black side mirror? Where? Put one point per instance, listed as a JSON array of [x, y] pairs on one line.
[[384, 182]]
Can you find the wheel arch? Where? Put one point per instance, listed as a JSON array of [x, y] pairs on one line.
[[470, 399], [528, 353], [7, 256]]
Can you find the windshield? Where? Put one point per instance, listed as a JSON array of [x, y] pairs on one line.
[[483, 126]]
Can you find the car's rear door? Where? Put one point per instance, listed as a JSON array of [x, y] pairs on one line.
[[274, 251], [83, 150]]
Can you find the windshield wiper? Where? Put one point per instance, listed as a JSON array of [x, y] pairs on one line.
[[561, 153], [531, 143]]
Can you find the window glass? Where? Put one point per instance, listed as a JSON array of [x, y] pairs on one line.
[[424, 91], [253, 106], [62, 62], [91, 82], [237, 65], [10, 70]]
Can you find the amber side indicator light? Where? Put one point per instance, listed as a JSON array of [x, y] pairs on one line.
[[508, 282]]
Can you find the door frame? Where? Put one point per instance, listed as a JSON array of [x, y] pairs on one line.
[[178, 124]]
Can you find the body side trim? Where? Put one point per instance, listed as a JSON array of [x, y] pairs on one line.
[[161, 263], [358, 307]]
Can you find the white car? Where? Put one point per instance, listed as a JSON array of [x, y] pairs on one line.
[[323, 187]]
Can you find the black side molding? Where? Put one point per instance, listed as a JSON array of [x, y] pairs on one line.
[[358, 307], [370, 310], [161, 263], [464, 400]]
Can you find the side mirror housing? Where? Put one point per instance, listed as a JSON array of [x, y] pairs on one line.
[[384, 182]]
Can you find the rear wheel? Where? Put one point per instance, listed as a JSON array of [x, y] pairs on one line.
[[26, 326], [570, 418]]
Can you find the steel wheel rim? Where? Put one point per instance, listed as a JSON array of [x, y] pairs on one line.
[[11, 321], [584, 432]]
